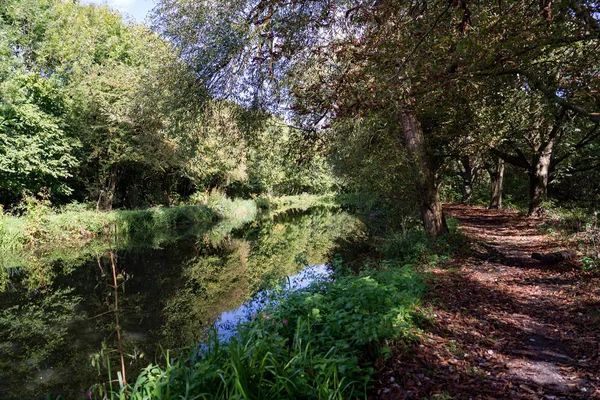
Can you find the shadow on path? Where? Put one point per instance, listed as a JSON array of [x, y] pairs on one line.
[[501, 325]]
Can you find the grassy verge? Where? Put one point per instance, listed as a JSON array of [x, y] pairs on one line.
[[47, 227], [43, 225], [580, 227]]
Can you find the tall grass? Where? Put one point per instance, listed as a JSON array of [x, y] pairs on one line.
[[158, 218], [55, 227], [225, 208], [11, 233], [41, 224]]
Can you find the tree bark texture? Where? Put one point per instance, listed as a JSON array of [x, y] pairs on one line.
[[538, 179], [496, 180], [468, 174], [429, 202]]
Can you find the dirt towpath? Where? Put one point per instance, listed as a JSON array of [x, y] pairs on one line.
[[502, 325]]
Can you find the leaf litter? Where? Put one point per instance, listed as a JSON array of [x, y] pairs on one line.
[[500, 324]]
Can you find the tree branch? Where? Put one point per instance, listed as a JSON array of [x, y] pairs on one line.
[[537, 83], [586, 16], [517, 161], [587, 139], [418, 44], [589, 168]]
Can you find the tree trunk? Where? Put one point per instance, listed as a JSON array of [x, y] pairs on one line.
[[429, 202], [467, 191], [496, 178], [468, 176], [109, 191], [538, 179], [539, 167]]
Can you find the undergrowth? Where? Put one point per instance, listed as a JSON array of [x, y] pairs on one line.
[[41, 224], [580, 227]]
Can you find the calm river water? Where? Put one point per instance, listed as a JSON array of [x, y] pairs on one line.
[[57, 319]]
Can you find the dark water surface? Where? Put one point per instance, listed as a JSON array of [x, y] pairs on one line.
[[57, 318]]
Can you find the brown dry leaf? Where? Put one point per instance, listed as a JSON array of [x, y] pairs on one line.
[[493, 296]]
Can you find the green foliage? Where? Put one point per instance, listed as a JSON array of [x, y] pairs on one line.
[[96, 109], [282, 162], [579, 226], [452, 225], [315, 343], [368, 157], [405, 244], [241, 210], [11, 233], [356, 312], [43, 225], [36, 151], [301, 202], [569, 220], [260, 156], [462, 82]]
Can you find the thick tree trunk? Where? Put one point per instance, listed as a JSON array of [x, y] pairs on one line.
[[429, 202], [496, 179], [538, 179], [468, 176]]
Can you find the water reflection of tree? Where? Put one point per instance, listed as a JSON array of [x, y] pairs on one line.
[[31, 333], [174, 290], [227, 273], [215, 280]]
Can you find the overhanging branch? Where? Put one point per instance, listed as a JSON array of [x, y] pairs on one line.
[[514, 160], [550, 93]]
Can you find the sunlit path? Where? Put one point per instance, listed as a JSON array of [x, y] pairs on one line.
[[502, 325]]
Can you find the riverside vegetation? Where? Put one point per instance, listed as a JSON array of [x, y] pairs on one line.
[[299, 346], [320, 342], [58, 302], [154, 176], [78, 223]]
